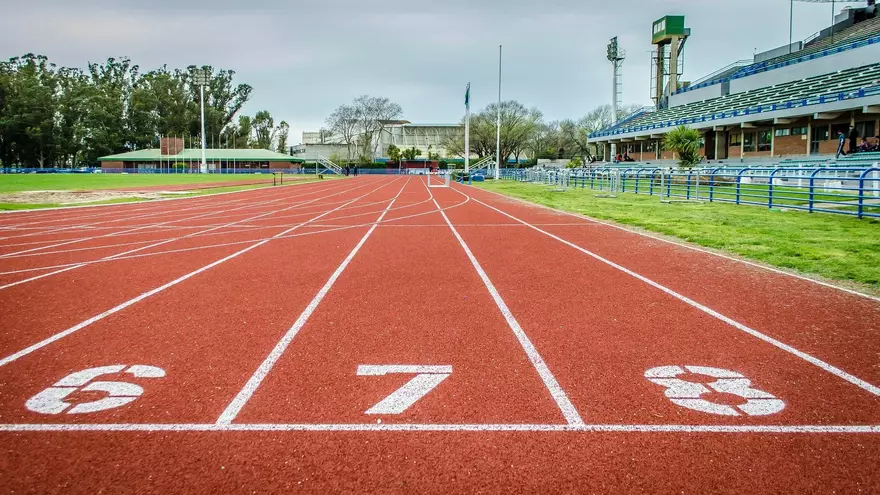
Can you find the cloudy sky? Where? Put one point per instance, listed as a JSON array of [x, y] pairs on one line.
[[305, 57]]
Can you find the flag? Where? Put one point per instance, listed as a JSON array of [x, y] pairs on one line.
[[467, 96]]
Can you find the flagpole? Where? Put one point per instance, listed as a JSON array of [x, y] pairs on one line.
[[467, 130], [498, 121]]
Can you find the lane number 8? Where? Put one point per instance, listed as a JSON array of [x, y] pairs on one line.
[[690, 394]]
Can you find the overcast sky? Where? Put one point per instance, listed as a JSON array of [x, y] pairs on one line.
[[304, 58]]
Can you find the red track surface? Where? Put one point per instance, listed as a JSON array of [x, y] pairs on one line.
[[269, 311]]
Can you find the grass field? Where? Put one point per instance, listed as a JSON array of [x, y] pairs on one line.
[[834, 247], [41, 182]]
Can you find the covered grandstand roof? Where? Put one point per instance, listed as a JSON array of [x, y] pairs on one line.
[[195, 154], [855, 36], [857, 82]]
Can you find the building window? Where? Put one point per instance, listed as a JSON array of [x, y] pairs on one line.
[[798, 131], [749, 141], [865, 129], [783, 132], [844, 128], [735, 139], [765, 140]]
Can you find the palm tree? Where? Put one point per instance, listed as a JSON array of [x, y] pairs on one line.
[[685, 142]]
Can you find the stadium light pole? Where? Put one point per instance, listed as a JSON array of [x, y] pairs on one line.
[[200, 77], [498, 121], [467, 129]]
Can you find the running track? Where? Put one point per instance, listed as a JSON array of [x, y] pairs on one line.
[[374, 334]]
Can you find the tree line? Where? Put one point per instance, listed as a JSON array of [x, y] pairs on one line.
[[54, 116], [524, 132]]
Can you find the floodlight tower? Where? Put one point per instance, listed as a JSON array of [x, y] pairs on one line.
[[616, 55], [668, 31], [201, 78]]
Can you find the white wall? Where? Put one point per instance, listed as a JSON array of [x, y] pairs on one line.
[[713, 91], [865, 55]]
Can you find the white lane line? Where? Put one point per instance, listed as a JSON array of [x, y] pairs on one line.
[[711, 312], [166, 241], [323, 230], [409, 427], [162, 228], [212, 211], [144, 205], [120, 307], [235, 407], [687, 246], [200, 203], [170, 229], [569, 412]]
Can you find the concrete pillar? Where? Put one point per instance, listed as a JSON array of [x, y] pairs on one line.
[[673, 66], [773, 140]]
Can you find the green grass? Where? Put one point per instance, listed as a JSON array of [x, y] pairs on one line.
[[754, 193], [10, 183], [198, 192], [835, 247]]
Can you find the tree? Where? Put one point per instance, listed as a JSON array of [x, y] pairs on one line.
[[283, 133], [411, 153], [374, 114], [223, 99], [264, 130], [393, 153], [59, 116], [29, 106], [685, 142], [518, 125], [344, 123]]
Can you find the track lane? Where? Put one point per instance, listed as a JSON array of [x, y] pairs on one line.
[[603, 329], [408, 298], [834, 325], [278, 209], [205, 332], [64, 303]]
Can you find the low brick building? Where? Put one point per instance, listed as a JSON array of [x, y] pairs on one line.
[[172, 156]]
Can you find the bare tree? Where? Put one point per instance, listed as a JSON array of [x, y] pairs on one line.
[[374, 114], [344, 122], [518, 125]]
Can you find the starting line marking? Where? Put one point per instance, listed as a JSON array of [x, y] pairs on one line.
[[405, 427]]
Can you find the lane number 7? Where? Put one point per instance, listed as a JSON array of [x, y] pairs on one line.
[[427, 377]]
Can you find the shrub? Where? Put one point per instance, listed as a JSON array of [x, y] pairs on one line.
[[685, 142]]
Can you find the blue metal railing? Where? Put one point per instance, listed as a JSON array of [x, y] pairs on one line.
[[839, 190]]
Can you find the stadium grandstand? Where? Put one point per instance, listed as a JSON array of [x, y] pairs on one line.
[[787, 102]]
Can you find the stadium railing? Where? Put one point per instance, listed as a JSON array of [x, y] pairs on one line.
[[839, 190]]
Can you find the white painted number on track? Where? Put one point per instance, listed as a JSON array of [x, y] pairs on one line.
[[427, 377], [51, 400], [690, 394]]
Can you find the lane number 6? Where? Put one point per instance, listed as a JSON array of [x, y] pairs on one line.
[[51, 400]]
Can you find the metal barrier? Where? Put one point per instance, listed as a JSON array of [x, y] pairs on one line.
[[841, 190]]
